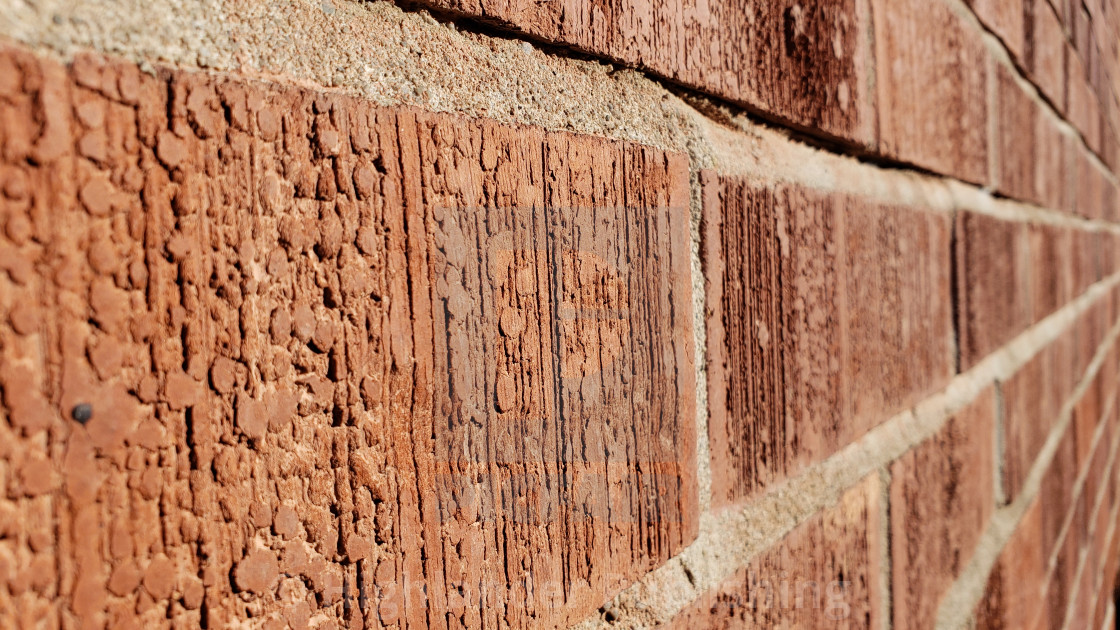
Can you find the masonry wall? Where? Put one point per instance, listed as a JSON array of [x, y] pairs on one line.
[[551, 314]]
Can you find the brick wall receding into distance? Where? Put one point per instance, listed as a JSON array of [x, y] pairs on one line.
[[555, 314]]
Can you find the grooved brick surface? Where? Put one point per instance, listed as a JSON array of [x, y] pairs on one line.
[[941, 498], [993, 284], [1018, 123], [824, 573], [385, 367], [804, 63], [932, 78], [826, 313]]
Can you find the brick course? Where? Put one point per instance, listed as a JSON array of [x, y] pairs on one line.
[[801, 359], [478, 375]]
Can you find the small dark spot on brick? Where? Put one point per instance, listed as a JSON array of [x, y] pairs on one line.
[[82, 413]]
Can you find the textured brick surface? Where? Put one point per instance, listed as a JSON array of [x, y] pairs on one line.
[[941, 498], [1017, 151], [826, 313], [1005, 18], [931, 72], [802, 62], [1046, 53], [993, 283], [382, 366], [825, 573]]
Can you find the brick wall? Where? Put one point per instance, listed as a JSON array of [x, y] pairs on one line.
[[554, 314]]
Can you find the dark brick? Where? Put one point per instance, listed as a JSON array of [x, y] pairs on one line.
[[993, 284], [941, 499], [826, 313], [932, 82]]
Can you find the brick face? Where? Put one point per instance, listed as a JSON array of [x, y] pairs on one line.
[[1017, 149], [931, 72], [801, 358], [1046, 53], [824, 573], [804, 63], [941, 498], [993, 284], [1005, 19], [367, 358]]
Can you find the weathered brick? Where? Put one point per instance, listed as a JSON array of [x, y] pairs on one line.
[[932, 88], [993, 261], [941, 498], [1005, 19], [1015, 591], [824, 573], [826, 313], [1046, 53], [414, 369], [805, 63], [1017, 150]]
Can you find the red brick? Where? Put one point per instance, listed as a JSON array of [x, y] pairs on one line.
[[1014, 593], [482, 415], [1053, 166], [1005, 19], [1057, 494], [1017, 125], [1051, 283], [797, 334], [932, 83], [1046, 53], [824, 573], [1084, 110], [805, 63], [1033, 397], [1061, 582], [993, 284], [941, 500]]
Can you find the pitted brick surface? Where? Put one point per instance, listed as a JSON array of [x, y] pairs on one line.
[[375, 367], [826, 314], [804, 63]]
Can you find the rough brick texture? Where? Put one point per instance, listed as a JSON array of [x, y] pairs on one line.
[[802, 359], [825, 573], [993, 285], [272, 353], [805, 63], [941, 498], [932, 78], [393, 315]]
